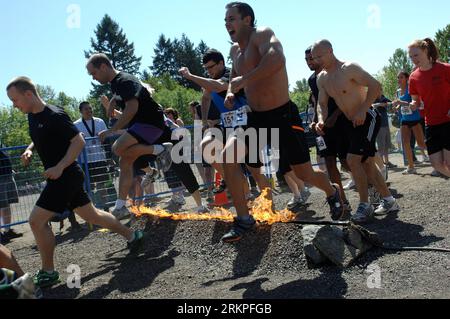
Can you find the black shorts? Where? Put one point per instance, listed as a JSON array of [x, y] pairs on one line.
[[291, 134], [336, 140], [284, 166], [98, 172], [411, 124], [438, 138], [363, 138], [67, 192]]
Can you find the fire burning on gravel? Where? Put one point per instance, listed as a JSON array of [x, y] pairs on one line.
[[261, 209]]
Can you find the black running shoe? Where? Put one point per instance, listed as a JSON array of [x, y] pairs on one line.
[[336, 204], [239, 228]]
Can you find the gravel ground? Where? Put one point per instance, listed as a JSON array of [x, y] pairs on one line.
[[186, 260]]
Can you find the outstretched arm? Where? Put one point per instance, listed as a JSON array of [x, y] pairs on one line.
[[210, 85]]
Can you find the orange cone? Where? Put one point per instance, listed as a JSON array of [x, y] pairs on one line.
[[222, 198]]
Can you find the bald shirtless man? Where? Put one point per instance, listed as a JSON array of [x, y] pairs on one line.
[[354, 91], [259, 67]]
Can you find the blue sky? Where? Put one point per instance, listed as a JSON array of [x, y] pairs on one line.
[[37, 40]]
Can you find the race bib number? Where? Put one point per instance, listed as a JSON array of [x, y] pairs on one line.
[[406, 110], [321, 145], [235, 118]]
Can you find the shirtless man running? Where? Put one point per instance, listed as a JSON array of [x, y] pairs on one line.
[[259, 67], [354, 91]]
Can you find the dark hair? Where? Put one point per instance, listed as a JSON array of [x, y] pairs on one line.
[[173, 112], [244, 10], [308, 50], [98, 59], [82, 105], [213, 55], [404, 73], [23, 84], [428, 45]]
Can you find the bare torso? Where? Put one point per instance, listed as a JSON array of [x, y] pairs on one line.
[[267, 93], [348, 94]]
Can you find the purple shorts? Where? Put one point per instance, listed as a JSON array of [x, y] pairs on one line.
[[145, 133]]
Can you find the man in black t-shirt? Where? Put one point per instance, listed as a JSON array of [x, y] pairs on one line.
[[141, 116], [147, 134], [58, 143]]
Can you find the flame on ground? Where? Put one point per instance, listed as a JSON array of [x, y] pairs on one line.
[[261, 209]]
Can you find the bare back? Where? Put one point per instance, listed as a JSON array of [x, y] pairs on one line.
[[347, 85], [270, 87]]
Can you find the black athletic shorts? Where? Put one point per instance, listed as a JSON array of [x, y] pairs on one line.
[[291, 135], [67, 192], [363, 138], [411, 124], [438, 138], [336, 140]]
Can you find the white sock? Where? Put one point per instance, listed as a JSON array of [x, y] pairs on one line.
[[120, 203], [158, 149]]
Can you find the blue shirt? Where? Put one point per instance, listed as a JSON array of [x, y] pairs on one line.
[[415, 116]]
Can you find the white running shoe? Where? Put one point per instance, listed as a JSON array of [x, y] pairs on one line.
[[387, 207], [25, 287], [178, 199], [294, 202], [409, 171], [120, 213]]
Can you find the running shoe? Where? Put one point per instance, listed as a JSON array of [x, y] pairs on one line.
[[44, 279], [239, 228], [120, 213], [137, 242], [363, 214], [336, 204], [387, 207]]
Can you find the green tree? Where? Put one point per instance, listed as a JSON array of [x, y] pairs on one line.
[[442, 39], [201, 49], [164, 58], [187, 55], [302, 86], [170, 56], [169, 93], [13, 127], [112, 41], [301, 99], [388, 75]]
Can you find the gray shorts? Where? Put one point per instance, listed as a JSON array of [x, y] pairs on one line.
[[384, 140], [8, 191]]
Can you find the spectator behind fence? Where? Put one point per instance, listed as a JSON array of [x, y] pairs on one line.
[[90, 127], [8, 196], [384, 136]]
